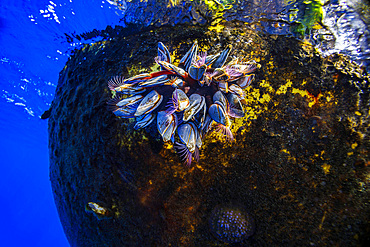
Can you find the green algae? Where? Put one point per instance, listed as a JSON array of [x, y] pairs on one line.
[[308, 14]]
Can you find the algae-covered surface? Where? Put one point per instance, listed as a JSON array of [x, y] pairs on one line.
[[299, 162]]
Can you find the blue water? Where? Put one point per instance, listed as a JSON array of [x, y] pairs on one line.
[[33, 50]]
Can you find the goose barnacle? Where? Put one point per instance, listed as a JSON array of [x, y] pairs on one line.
[[201, 90]]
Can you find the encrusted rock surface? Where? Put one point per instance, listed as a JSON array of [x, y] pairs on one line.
[[299, 164]]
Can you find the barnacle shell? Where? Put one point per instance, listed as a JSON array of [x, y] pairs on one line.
[[151, 101], [188, 136], [144, 120], [130, 101], [211, 58], [196, 103], [244, 68], [217, 74], [188, 59], [238, 91], [166, 124], [125, 112], [197, 72], [217, 113], [137, 78], [182, 99], [172, 68], [124, 107], [163, 53], [200, 116], [177, 82], [127, 106], [219, 96], [206, 125], [220, 61], [236, 109], [155, 81], [245, 81], [129, 89], [223, 86], [198, 138]]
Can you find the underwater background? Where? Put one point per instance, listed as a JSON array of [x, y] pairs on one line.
[[37, 38], [34, 51]]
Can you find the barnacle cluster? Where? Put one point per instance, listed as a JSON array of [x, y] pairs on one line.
[[187, 99]]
